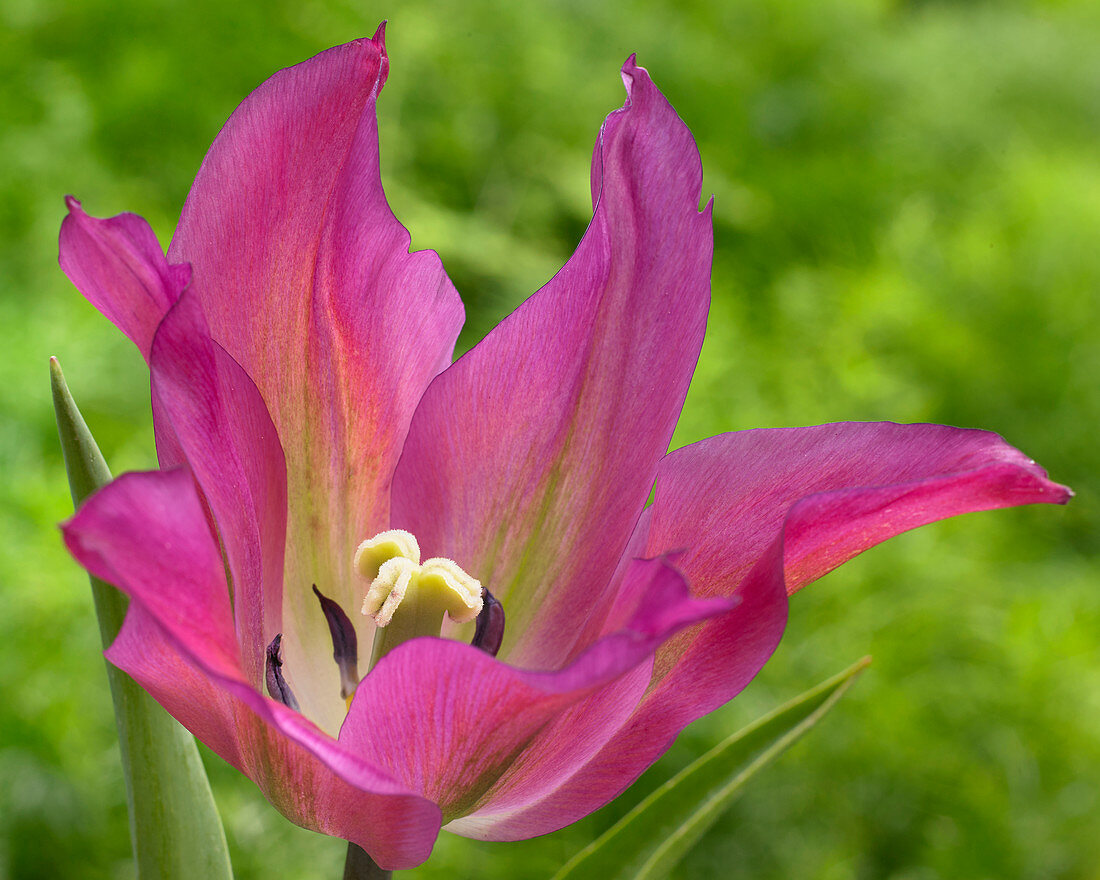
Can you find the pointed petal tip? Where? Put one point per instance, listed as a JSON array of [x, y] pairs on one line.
[[669, 605], [1059, 493], [635, 77], [1047, 491], [1062, 494], [670, 560], [73, 204], [370, 50], [629, 71], [632, 71]]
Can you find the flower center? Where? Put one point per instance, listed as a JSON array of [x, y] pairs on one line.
[[408, 598]]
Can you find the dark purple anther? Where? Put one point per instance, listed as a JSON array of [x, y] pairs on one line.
[[489, 632], [276, 684], [345, 645]]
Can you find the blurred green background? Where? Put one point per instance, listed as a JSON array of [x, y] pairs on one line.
[[907, 223]]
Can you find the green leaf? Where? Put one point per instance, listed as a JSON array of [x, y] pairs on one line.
[[174, 825], [649, 840]]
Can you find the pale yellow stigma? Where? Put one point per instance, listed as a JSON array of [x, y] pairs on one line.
[[407, 598], [373, 552]]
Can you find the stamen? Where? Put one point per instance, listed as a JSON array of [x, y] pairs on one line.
[[273, 673], [345, 645], [489, 632]]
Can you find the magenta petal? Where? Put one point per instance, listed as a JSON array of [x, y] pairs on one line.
[[305, 279], [118, 264], [834, 490], [742, 640], [761, 514], [147, 534], [221, 427], [529, 460], [302, 771], [469, 731]]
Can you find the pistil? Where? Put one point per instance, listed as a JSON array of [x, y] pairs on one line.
[[407, 598]]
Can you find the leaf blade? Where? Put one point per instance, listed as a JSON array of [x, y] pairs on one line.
[[175, 830], [647, 842]]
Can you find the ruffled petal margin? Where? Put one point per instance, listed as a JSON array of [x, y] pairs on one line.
[[761, 514], [118, 264], [305, 279], [529, 460]]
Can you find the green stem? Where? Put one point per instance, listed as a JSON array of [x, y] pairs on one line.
[[360, 866]]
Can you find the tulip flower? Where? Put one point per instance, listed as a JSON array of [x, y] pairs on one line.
[[402, 593]]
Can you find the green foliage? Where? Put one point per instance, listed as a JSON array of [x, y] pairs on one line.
[[906, 227], [653, 837], [174, 824]]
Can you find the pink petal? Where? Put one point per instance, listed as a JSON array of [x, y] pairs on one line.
[[530, 459], [303, 772], [147, 533], [839, 489], [222, 429], [762, 513], [467, 730], [118, 265], [305, 278]]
